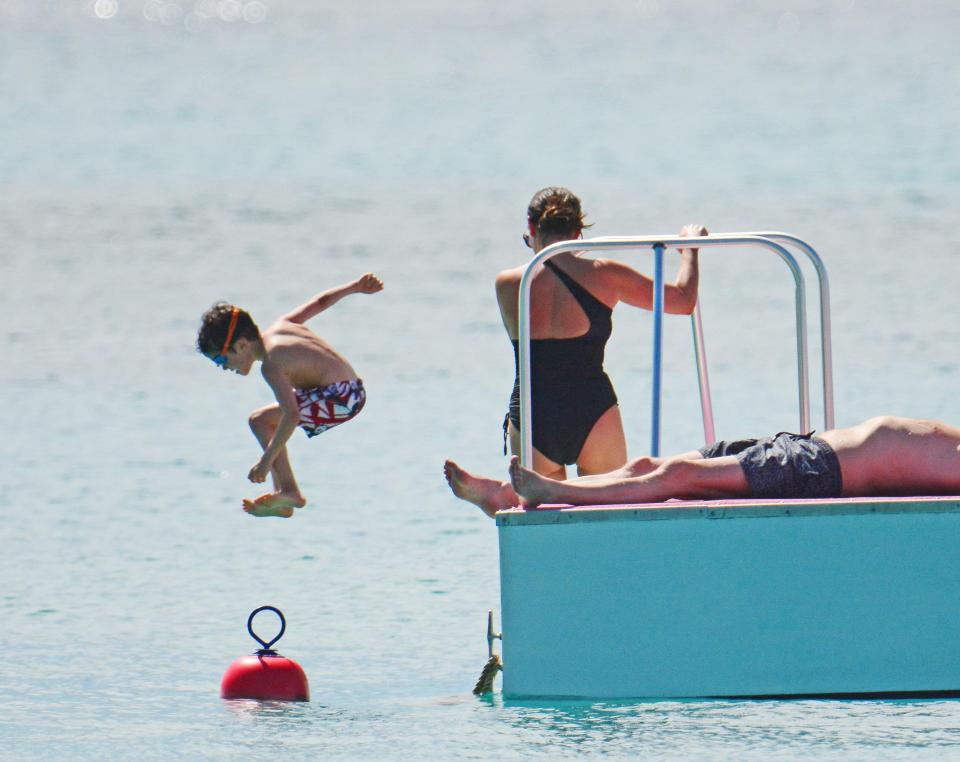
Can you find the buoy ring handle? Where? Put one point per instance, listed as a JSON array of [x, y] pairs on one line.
[[267, 645]]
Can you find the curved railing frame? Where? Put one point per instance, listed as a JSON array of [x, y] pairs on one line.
[[770, 241], [826, 343]]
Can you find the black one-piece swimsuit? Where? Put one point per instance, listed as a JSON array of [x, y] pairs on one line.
[[570, 390]]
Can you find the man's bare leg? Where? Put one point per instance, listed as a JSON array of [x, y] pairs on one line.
[[286, 495], [489, 495], [641, 466], [673, 478], [492, 495]]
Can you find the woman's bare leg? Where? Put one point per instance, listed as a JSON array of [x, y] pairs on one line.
[[541, 463], [605, 448]]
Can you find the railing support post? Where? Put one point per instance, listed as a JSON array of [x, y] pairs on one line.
[[703, 376], [657, 347]]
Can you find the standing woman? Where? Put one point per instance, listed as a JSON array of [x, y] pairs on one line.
[[576, 419]]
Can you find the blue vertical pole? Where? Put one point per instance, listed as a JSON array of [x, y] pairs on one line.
[[657, 347]]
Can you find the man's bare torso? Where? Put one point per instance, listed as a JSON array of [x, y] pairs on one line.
[[897, 456]]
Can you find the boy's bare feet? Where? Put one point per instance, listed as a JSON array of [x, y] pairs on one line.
[[490, 495], [533, 488], [274, 504]]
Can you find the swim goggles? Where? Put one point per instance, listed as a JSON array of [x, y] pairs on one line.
[[221, 358]]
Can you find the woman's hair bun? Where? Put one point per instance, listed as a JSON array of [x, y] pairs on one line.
[[556, 211]]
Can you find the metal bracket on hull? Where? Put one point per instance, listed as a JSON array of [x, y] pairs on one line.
[[494, 662]]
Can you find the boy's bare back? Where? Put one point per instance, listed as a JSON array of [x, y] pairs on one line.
[[294, 352], [302, 357]]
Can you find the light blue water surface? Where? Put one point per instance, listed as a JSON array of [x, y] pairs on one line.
[[165, 156]]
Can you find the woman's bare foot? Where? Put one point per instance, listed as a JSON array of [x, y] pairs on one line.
[[532, 488], [274, 504], [489, 495]]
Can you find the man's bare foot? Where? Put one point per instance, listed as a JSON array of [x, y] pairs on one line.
[[274, 504], [532, 488], [489, 495]]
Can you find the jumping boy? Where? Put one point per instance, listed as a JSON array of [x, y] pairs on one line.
[[316, 388]]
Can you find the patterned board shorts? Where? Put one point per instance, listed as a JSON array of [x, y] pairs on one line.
[[324, 407]]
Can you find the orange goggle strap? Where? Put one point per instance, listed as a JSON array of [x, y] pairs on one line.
[[234, 315]]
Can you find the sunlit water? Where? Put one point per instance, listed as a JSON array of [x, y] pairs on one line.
[[156, 157]]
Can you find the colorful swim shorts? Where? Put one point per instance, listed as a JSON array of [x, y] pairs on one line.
[[324, 407]]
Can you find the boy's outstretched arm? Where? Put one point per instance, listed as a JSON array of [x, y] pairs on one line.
[[365, 284]]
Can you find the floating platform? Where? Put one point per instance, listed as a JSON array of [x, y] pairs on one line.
[[854, 597]]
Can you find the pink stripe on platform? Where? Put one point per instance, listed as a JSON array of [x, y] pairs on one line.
[[747, 502], [731, 509]]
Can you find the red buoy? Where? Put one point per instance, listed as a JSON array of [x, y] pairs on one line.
[[265, 675]]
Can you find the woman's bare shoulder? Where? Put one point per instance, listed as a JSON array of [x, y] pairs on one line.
[[510, 274], [606, 270], [616, 271], [611, 280], [605, 263], [508, 280]]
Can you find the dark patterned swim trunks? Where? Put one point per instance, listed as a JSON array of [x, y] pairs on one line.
[[784, 465]]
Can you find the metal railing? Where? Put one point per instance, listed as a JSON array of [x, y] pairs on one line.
[[771, 241]]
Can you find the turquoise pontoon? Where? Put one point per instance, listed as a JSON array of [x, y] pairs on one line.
[[733, 598]]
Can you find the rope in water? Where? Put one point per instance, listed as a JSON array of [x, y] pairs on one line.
[[488, 675]]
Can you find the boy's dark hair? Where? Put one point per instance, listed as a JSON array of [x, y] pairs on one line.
[[216, 322]]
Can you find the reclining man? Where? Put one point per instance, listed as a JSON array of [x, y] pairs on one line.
[[882, 456]]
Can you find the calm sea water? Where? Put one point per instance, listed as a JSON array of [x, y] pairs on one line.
[[157, 156]]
